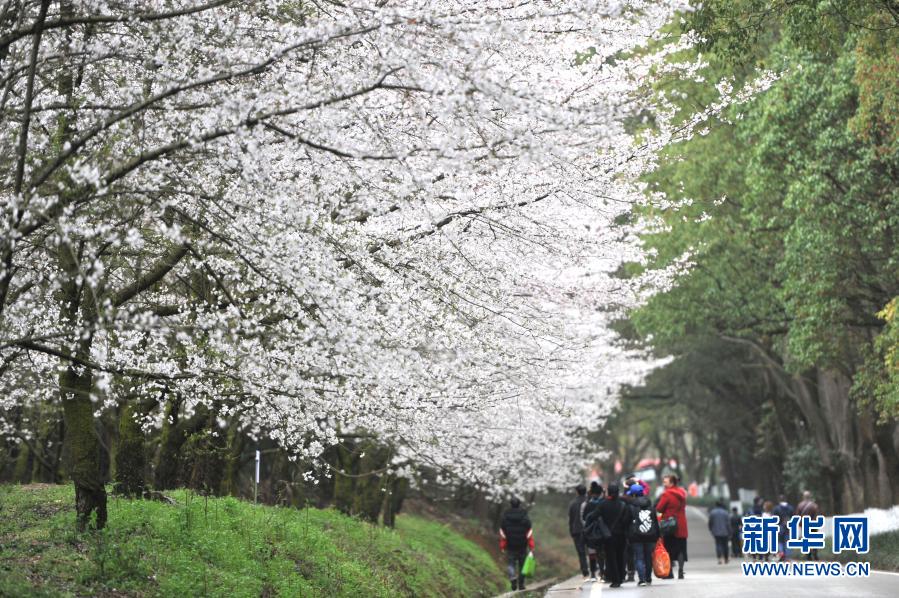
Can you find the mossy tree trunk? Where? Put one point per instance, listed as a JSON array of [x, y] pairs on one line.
[[236, 442], [23, 465], [78, 313], [343, 484], [360, 480], [370, 487], [49, 441], [84, 448], [393, 499], [203, 459], [171, 439], [130, 459]]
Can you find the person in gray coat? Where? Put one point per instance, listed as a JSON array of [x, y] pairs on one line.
[[719, 525]]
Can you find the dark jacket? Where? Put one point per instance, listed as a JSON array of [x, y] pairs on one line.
[[575, 523], [736, 524], [617, 515], [784, 511], [515, 530], [719, 523], [645, 526], [591, 509]]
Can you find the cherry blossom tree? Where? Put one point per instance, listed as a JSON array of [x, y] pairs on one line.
[[328, 218]]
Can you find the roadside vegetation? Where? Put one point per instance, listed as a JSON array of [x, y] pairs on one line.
[[883, 554], [207, 546]]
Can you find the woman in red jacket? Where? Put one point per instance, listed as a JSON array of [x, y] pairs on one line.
[[673, 503]]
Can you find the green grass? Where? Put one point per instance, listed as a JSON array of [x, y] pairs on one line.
[[883, 554], [227, 547]]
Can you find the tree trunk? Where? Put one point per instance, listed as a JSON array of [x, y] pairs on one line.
[[370, 487], [24, 465], [130, 460], [728, 467], [343, 485], [842, 418], [393, 499], [236, 441], [48, 442], [805, 396], [84, 448], [171, 439]]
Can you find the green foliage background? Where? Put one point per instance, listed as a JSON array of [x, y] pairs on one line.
[[788, 209]]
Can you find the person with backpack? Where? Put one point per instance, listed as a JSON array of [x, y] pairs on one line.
[[784, 510], [672, 509], [629, 550], [576, 527], [593, 536], [719, 526], [616, 514], [643, 533], [516, 538]]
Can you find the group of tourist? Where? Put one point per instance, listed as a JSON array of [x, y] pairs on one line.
[[614, 529], [634, 526], [807, 507]]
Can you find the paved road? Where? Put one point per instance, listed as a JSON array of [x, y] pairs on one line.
[[704, 577]]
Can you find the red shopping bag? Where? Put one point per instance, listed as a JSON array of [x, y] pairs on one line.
[[661, 562]]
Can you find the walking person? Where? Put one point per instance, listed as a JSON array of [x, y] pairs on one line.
[[576, 527], [784, 510], [807, 507], [736, 533], [719, 526], [589, 511], [628, 550], [617, 515], [673, 504], [516, 538], [757, 509], [643, 534]]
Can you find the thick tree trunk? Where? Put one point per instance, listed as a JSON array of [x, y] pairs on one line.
[[343, 484], [359, 484], [130, 459], [393, 499], [370, 487], [49, 441], [24, 465], [806, 396], [84, 448], [843, 422], [236, 441], [171, 439], [728, 467]]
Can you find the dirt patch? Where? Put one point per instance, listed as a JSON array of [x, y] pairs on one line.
[[45, 510]]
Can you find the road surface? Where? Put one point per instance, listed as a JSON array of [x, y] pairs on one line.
[[704, 577]]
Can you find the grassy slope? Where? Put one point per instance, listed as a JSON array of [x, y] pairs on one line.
[[884, 553], [227, 547]]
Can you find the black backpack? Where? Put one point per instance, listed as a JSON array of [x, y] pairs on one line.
[[644, 524], [595, 529]]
